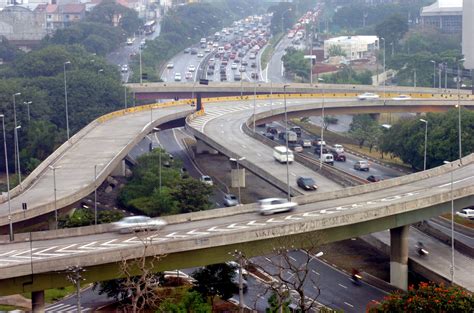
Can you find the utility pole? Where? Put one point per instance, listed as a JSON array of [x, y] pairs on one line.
[[74, 276]]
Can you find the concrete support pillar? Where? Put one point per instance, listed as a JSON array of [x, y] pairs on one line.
[[237, 178], [202, 147], [120, 170], [399, 257], [37, 301]]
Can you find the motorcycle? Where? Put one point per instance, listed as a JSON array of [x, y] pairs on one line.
[[420, 249], [356, 279]]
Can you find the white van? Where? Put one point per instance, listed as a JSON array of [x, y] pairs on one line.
[[282, 155], [220, 50], [203, 40], [292, 136], [328, 158]]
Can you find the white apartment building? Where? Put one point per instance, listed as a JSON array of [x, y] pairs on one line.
[[354, 47]]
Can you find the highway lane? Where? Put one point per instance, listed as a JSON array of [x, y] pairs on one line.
[[76, 166], [19, 252], [274, 70]]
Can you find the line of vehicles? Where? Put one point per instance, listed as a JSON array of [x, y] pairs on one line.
[[374, 96]]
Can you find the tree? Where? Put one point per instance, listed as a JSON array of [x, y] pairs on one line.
[[192, 195], [427, 297], [191, 302], [365, 129], [108, 12], [335, 50], [406, 139], [392, 30], [215, 280]]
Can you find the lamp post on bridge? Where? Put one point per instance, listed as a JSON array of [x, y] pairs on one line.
[[311, 58], [8, 179], [426, 140], [452, 223], [286, 145]]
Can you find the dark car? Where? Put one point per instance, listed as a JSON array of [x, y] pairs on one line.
[[187, 50], [374, 178], [253, 65], [269, 136], [210, 72], [306, 183], [341, 157], [194, 51], [273, 130], [254, 75], [245, 63], [317, 150]]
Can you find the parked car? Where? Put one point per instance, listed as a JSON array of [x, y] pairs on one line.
[[374, 178], [362, 166], [275, 205], [368, 96], [306, 183], [138, 223], [230, 200], [206, 180]]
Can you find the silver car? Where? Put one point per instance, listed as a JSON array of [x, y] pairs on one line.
[[138, 223], [275, 205], [230, 200]]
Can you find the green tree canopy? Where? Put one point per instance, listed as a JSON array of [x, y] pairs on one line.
[[427, 298], [392, 30], [215, 280]]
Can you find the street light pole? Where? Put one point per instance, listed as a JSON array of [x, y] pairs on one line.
[[286, 145], [55, 195], [15, 139], [8, 178], [434, 73], [322, 129], [459, 110], [65, 98], [426, 141], [18, 155], [141, 74], [385, 75], [452, 223], [28, 108], [95, 193], [125, 95], [254, 103]]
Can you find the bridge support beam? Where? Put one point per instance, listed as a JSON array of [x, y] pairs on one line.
[[399, 257], [37, 301], [120, 170], [202, 147]]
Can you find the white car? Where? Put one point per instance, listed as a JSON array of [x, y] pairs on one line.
[[138, 223], [466, 213], [191, 68], [206, 180], [170, 65], [207, 50], [188, 75], [338, 148], [200, 55], [401, 97], [368, 96], [275, 205], [212, 60], [177, 77], [233, 66], [124, 68]]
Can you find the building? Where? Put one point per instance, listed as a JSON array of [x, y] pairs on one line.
[[354, 47], [444, 15], [62, 15], [22, 26], [467, 31]]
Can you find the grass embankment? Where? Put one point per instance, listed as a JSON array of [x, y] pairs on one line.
[[351, 144], [268, 52], [460, 220]]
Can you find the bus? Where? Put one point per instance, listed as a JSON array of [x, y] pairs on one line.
[[282, 155], [149, 27]]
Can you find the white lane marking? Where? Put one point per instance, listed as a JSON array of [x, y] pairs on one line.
[[272, 220], [9, 260], [293, 174], [110, 244], [291, 217], [254, 223], [454, 182], [197, 233], [88, 246], [346, 303], [313, 213], [219, 229], [42, 252], [235, 226], [174, 235], [268, 260], [292, 258], [342, 286], [20, 256], [7, 253], [314, 272]]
